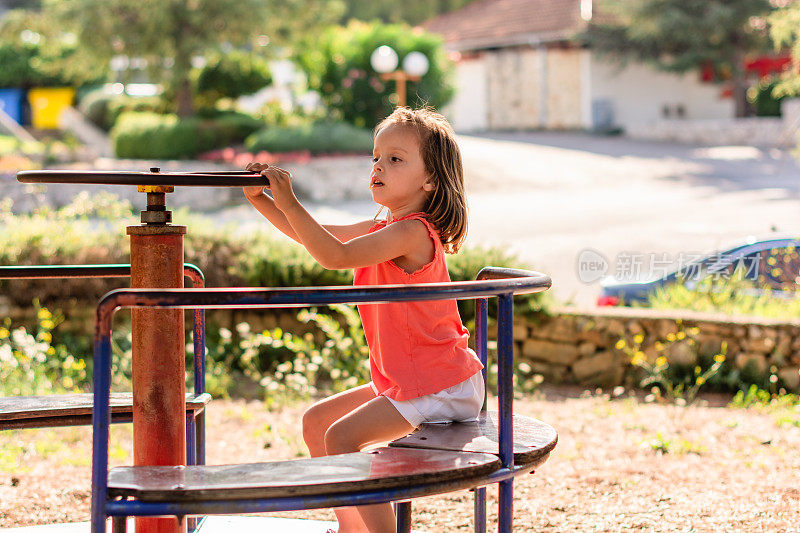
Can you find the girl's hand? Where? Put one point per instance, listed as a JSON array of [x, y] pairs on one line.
[[280, 183], [256, 190]]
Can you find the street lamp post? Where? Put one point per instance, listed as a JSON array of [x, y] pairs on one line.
[[384, 60]]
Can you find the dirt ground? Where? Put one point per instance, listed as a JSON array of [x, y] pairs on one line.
[[621, 464]]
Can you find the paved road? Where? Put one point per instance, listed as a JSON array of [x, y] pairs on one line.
[[548, 196]]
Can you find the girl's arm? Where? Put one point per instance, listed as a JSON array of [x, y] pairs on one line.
[[266, 206], [406, 238]]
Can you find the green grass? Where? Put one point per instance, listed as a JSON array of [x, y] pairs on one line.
[[11, 145]]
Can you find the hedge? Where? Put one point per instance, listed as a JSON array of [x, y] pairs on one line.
[[228, 259], [154, 136], [317, 138]]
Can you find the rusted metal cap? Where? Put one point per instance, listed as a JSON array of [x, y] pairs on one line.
[[156, 188]]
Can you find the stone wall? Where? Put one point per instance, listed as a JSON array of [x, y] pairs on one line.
[[579, 347], [574, 346], [753, 131]]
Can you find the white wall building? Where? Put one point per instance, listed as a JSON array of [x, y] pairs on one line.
[[518, 67]]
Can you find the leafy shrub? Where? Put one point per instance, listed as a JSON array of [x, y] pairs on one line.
[[73, 235], [338, 67], [673, 381], [275, 114], [30, 364], [154, 136], [10, 146], [230, 76], [764, 99], [150, 135], [139, 104], [16, 61], [103, 108], [293, 366], [319, 137], [232, 127], [733, 296], [465, 265], [86, 231], [764, 400]]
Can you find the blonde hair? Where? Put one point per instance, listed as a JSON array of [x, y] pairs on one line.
[[446, 207]]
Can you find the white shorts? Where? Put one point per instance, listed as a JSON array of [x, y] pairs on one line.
[[460, 403]]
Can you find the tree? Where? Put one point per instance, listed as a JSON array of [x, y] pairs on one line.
[[785, 33], [166, 33], [411, 11], [684, 35], [35, 50], [170, 33], [232, 75], [338, 66]]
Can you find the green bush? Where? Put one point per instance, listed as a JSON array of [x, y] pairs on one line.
[[230, 76], [734, 296], [338, 67], [319, 137], [155, 136], [103, 109], [31, 364], [232, 127], [16, 61], [87, 231], [274, 114], [763, 98], [139, 104]]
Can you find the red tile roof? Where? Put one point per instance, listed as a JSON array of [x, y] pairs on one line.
[[490, 23]]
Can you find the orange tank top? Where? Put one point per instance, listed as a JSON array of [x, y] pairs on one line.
[[415, 348]]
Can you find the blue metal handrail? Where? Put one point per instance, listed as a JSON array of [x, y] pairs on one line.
[[492, 282]]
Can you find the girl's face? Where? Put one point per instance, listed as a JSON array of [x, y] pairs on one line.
[[399, 180]]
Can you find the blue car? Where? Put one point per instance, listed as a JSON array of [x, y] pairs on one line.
[[770, 263]]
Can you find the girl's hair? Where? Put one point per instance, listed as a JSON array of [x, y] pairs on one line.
[[447, 205]]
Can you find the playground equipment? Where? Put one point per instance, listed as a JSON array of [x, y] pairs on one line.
[[432, 460], [54, 410]]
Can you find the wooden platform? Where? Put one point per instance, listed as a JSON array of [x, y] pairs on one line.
[[384, 468], [19, 412], [533, 439]]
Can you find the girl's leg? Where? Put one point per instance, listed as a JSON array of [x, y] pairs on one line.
[[316, 421], [319, 417], [374, 422]]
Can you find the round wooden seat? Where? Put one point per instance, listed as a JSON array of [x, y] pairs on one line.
[[54, 410], [384, 468], [533, 439]]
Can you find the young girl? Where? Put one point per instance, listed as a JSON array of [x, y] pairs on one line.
[[422, 369]]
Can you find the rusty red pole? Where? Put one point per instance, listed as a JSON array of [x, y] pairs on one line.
[[159, 383]]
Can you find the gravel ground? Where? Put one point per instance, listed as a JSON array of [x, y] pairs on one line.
[[620, 464]]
